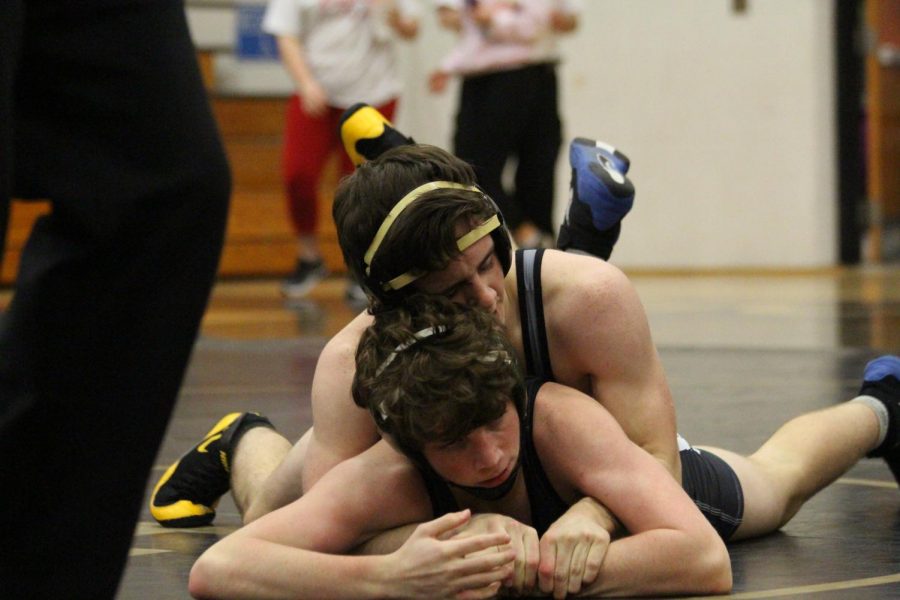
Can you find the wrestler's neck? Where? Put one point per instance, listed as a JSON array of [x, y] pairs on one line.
[[511, 320], [514, 504]]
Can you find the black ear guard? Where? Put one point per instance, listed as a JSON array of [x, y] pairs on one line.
[[493, 226]]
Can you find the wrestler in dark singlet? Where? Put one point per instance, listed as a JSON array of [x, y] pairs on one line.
[[707, 479]]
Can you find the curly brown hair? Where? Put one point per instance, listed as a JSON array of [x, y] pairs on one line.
[[455, 376], [423, 237]]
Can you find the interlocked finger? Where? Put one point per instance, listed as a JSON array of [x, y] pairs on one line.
[[593, 562], [561, 575], [577, 566]]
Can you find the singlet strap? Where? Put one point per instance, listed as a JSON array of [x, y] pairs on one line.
[[546, 505], [531, 313], [442, 499]]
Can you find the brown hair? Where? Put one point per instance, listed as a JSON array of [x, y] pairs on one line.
[[441, 386], [424, 236]]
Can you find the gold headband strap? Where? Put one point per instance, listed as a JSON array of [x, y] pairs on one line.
[[462, 243], [401, 206], [478, 233]]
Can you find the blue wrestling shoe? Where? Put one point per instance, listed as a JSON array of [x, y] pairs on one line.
[[601, 196], [881, 380], [187, 493], [598, 180]]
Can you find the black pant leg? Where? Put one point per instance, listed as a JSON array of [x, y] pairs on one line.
[[484, 137], [113, 126], [538, 139]]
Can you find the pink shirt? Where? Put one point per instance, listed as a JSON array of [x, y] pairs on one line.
[[519, 34]]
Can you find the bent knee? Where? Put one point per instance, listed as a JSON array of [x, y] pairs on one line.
[[770, 498]]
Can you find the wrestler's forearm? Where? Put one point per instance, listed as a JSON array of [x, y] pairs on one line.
[[592, 509], [655, 434], [386, 541], [254, 568], [662, 562]]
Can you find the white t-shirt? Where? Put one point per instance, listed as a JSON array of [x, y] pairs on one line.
[[347, 44]]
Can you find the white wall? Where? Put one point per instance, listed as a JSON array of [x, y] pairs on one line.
[[728, 119]]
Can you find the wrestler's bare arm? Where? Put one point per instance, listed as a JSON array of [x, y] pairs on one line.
[[671, 548], [600, 343], [341, 429], [297, 551]]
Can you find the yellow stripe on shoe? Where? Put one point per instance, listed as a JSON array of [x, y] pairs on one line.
[[223, 424], [189, 490], [366, 133], [182, 513]]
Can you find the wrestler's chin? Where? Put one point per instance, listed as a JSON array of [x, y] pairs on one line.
[[498, 479]]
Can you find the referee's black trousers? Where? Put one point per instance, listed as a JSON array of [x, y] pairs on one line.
[[103, 112]]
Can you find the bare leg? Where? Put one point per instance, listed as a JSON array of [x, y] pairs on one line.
[[267, 472], [805, 455]]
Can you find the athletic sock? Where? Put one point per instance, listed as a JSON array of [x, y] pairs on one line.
[[881, 412]]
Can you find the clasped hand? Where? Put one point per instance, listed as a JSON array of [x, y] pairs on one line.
[[438, 561], [572, 550], [566, 558]]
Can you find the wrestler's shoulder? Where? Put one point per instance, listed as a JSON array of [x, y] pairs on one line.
[[345, 341], [566, 271]]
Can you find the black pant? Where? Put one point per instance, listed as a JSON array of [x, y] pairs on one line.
[[513, 114], [104, 114]]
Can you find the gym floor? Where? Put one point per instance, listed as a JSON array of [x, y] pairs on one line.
[[743, 353]]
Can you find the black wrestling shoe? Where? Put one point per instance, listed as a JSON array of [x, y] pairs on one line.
[[367, 134], [187, 493], [881, 380]]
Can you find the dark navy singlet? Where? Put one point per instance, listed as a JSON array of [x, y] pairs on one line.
[[546, 505], [708, 480]]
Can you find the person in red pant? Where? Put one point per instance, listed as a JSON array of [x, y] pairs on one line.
[[336, 53]]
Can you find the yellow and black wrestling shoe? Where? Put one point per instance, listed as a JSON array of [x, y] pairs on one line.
[[187, 493], [367, 134]]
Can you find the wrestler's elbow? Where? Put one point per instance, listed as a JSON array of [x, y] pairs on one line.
[[711, 568], [198, 582], [207, 575]]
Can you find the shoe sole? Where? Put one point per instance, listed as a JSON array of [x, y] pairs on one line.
[[599, 184], [619, 161]]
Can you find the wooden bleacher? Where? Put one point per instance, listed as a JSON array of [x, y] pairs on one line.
[[259, 240]]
